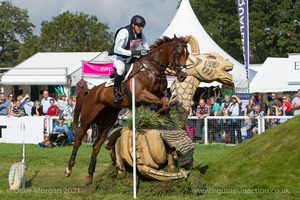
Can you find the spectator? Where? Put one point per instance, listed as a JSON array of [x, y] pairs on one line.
[[74, 99], [60, 130], [296, 104], [275, 111], [53, 109], [203, 110], [68, 111], [214, 128], [272, 102], [12, 103], [256, 99], [45, 102], [286, 106], [18, 110], [27, 104], [5, 105], [225, 126], [248, 109], [235, 125], [256, 112], [37, 109], [191, 123], [226, 103], [61, 103]]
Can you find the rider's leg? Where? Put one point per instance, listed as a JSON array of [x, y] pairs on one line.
[[117, 84], [120, 68]]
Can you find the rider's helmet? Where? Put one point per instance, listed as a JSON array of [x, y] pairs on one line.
[[138, 20]]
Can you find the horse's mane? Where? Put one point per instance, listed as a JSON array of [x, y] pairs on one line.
[[160, 41]]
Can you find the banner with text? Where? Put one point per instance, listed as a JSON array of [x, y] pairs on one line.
[[102, 69], [242, 6]]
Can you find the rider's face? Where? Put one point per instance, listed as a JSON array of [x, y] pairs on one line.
[[137, 28]]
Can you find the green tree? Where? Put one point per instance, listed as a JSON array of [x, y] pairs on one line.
[[274, 27], [69, 32], [14, 29], [74, 33]]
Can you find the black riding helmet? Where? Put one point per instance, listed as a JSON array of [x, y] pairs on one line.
[[138, 20]]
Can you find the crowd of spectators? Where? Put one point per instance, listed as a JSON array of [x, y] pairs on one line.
[[48, 106], [229, 130], [220, 130]]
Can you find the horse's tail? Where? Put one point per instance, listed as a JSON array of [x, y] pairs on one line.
[[79, 100]]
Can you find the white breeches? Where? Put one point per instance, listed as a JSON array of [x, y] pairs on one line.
[[119, 64]]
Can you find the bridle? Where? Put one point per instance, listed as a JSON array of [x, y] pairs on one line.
[[172, 66], [175, 66]]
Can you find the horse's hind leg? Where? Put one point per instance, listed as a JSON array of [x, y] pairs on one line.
[[107, 118]]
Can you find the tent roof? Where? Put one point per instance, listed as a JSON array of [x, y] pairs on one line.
[[273, 77], [46, 68], [185, 23]]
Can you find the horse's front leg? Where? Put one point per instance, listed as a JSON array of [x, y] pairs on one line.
[[77, 144], [165, 106], [149, 98]]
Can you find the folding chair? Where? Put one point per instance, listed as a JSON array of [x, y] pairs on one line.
[[60, 141]]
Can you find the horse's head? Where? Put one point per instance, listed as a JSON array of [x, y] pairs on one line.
[[179, 57], [210, 67], [171, 54]]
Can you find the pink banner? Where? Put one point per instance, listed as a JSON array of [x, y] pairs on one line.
[[103, 69]]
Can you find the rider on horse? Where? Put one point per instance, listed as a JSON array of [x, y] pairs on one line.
[[127, 40]]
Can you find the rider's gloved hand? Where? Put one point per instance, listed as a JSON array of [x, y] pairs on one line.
[[136, 53]]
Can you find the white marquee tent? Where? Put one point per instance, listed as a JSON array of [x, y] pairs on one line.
[[278, 75], [185, 23], [47, 69]]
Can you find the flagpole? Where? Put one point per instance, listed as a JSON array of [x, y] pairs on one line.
[[248, 46]]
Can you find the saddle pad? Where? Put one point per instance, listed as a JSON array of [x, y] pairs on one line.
[[109, 83]]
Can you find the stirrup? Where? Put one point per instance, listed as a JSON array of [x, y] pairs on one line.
[[118, 97]]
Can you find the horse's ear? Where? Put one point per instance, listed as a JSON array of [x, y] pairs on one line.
[[175, 38]]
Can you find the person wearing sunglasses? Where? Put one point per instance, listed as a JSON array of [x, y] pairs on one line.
[[127, 40], [272, 102], [286, 106]]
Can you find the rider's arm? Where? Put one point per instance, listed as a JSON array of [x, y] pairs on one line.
[[144, 43], [120, 42]]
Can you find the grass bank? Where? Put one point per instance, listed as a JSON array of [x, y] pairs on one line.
[[265, 167]]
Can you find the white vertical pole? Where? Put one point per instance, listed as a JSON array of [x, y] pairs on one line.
[[23, 151], [133, 138], [205, 131]]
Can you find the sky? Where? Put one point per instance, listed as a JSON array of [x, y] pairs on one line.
[[114, 13]]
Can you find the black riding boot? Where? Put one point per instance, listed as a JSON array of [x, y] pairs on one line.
[[113, 74], [117, 84]]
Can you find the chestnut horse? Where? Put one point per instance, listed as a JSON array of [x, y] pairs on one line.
[[97, 105]]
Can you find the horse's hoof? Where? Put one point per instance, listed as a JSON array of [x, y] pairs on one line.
[[67, 172], [89, 179]]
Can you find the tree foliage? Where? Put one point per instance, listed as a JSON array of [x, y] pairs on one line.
[[69, 32], [15, 27], [274, 27]]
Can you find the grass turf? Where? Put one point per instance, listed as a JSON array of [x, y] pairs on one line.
[[265, 167]]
